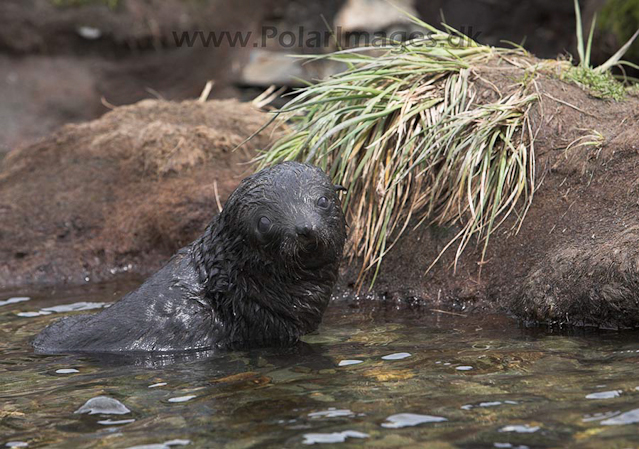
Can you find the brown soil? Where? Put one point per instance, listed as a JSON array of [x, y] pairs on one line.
[[121, 193]]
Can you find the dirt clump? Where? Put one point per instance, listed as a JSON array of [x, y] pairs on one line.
[[587, 286], [121, 193]]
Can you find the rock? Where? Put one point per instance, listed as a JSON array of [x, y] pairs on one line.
[[59, 58], [373, 15], [265, 68], [594, 285]]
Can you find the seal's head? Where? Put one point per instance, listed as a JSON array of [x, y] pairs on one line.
[[269, 261], [289, 214]]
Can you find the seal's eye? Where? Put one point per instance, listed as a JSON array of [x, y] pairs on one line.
[[264, 225], [323, 202]]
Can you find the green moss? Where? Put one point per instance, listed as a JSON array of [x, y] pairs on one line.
[[633, 90], [598, 84]]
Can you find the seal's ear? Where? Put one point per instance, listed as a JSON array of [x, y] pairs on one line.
[[339, 188]]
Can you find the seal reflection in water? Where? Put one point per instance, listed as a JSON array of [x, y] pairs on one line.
[[261, 274]]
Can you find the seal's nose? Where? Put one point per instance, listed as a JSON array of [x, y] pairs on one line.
[[304, 231]]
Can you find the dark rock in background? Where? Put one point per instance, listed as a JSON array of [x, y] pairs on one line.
[[59, 62], [545, 27]]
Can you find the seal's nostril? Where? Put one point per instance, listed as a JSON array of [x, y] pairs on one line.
[[304, 230]]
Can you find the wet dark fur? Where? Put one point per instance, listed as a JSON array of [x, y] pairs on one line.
[[233, 286]]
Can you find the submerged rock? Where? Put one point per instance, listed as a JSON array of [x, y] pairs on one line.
[[103, 405], [409, 420], [335, 437]]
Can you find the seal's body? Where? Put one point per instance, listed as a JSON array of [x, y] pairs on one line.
[[262, 273]]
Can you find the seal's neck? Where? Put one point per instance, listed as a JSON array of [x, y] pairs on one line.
[[258, 301]]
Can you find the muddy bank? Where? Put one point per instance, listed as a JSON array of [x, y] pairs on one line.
[[122, 193]]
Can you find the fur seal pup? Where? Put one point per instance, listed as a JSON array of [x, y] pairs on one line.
[[262, 273]]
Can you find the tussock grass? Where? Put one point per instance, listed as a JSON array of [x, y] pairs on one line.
[[408, 130], [404, 128]]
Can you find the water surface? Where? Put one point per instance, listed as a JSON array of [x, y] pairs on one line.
[[375, 375]]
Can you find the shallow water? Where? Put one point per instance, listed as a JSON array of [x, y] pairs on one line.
[[373, 376]]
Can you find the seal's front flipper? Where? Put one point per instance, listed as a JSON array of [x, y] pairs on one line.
[[62, 334]]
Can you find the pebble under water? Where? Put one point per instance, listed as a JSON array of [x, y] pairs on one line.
[[373, 376]]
